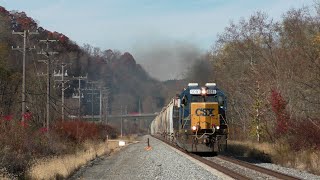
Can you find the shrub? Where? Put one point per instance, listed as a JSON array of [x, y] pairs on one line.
[[24, 141], [305, 134], [282, 117], [107, 130], [17, 145], [79, 131]]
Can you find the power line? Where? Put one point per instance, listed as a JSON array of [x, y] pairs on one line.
[[40, 81]]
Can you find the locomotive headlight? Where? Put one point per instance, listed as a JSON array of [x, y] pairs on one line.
[[217, 127], [203, 91], [194, 128]]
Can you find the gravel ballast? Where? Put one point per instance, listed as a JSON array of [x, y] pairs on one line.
[[293, 172], [135, 162], [257, 175], [239, 169]]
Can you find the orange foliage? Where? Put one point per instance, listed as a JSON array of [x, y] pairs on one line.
[[3, 11]]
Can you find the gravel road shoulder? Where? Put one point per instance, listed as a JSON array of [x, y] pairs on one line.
[[135, 162]]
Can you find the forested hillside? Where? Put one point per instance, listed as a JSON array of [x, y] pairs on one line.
[[127, 82]]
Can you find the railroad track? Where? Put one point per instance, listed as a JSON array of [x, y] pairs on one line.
[[229, 172], [257, 168]]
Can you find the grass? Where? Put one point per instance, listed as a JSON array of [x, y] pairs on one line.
[[4, 175], [130, 138], [262, 152], [306, 159], [280, 153], [61, 167]]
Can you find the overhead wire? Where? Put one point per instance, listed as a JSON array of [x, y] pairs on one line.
[[38, 90], [53, 99]]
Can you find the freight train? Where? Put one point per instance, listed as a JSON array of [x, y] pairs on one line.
[[195, 119]]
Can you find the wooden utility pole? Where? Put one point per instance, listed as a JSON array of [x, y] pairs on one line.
[[104, 95], [121, 120], [100, 102], [92, 95], [24, 34], [63, 88], [79, 95], [48, 53]]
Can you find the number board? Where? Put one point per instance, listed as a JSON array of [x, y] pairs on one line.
[[195, 91], [211, 91]]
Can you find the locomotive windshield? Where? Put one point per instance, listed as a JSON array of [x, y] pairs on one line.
[[214, 98]]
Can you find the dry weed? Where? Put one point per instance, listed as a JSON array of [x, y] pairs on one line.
[[308, 160], [129, 138], [280, 153], [4, 175], [263, 147], [50, 168], [250, 150]]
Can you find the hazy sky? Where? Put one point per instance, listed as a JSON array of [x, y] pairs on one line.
[[141, 26]]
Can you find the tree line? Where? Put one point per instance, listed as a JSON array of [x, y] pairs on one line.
[[271, 72]]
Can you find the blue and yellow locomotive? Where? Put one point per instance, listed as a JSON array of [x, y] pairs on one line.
[[195, 120]]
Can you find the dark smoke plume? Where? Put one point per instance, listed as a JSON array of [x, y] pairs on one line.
[[200, 71], [165, 61]]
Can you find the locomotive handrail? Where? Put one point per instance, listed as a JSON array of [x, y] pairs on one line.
[[225, 121], [213, 131], [185, 121]]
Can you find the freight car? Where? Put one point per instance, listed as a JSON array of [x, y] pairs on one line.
[[195, 119]]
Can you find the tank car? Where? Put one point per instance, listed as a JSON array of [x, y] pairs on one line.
[[195, 120]]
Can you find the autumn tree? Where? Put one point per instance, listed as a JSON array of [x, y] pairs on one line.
[[255, 56]]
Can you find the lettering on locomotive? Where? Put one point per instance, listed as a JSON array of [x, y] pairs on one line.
[[204, 112]]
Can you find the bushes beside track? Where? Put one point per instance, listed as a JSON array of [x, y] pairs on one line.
[[24, 142], [298, 147]]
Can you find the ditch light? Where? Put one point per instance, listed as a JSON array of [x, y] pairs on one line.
[[122, 143]]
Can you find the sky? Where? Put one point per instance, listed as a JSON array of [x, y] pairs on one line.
[[142, 27]]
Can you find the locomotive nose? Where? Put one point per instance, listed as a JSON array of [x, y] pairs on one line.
[[204, 115]]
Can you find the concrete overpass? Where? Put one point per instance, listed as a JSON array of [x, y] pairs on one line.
[[130, 122], [127, 116]]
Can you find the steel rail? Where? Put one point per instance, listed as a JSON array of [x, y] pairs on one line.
[[258, 168], [211, 164]]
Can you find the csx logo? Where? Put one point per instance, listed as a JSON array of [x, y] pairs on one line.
[[204, 112]]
